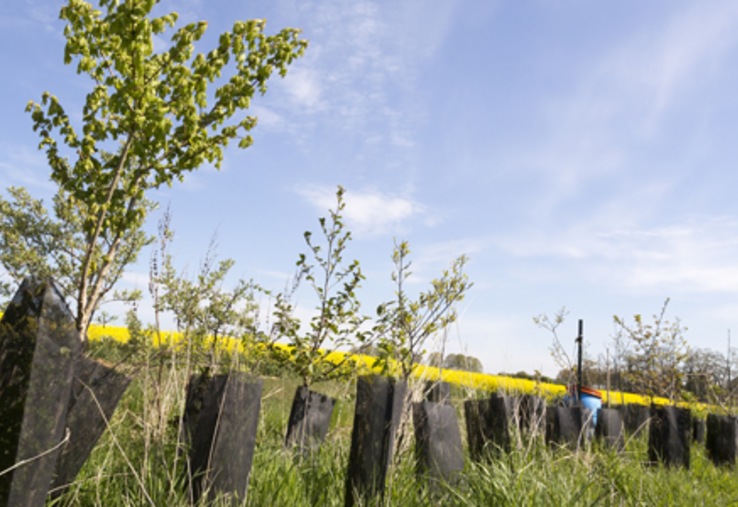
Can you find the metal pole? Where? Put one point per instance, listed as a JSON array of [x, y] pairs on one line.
[[608, 378], [579, 368]]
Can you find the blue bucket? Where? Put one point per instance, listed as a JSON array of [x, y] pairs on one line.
[[591, 398]]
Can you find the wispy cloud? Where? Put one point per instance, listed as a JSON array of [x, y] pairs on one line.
[[20, 165], [624, 100], [29, 14], [304, 89], [267, 117], [429, 260], [689, 50], [363, 56], [371, 212], [699, 254]]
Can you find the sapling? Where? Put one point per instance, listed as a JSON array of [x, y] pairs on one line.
[[206, 312], [557, 349], [404, 325], [336, 325], [659, 351]]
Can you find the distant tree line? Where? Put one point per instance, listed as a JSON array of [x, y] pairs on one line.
[[455, 362], [652, 359], [703, 374], [536, 377]]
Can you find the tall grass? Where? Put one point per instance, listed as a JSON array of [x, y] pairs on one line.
[[136, 462]]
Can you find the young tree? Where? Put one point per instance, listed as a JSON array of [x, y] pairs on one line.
[[659, 351], [558, 351], [155, 108], [337, 323], [33, 243], [405, 325], [206, 312]]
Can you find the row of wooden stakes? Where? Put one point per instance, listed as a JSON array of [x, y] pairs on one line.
[[55, 404]]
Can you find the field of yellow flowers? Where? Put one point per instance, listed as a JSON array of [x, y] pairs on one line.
[[466, 380]]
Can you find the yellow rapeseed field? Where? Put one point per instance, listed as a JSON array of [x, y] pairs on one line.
[[462, 379], [467, 380]]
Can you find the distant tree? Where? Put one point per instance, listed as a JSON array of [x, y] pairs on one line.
[[705, 370], [367, 349], [535, 377], [563, 376], [463, 363], [655, 367], [620, 349], [435, 359]]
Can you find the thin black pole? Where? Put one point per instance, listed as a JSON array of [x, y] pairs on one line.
[[580, 338]]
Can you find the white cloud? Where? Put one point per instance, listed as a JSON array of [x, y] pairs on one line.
[[360, 70], [303, 85], [369, 212], [25, 167], [266, 117], [699, 255], [34, 16], [623, 101]]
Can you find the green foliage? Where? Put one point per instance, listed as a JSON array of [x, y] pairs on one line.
[[35, 243], [154, 108], [137, 339], [104, 318], [463, 363], [405, 325], [455, 362], [659, 351], [709, 378], [337, 323], [204, 310]]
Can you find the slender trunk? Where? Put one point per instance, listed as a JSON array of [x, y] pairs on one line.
[[83, 299]]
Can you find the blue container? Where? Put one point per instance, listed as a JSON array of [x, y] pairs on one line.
[[592, 402], [591, 399]]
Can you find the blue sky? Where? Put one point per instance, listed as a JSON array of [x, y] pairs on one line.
[[580, 153]]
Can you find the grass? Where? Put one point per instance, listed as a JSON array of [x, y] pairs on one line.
[[136, 463]]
